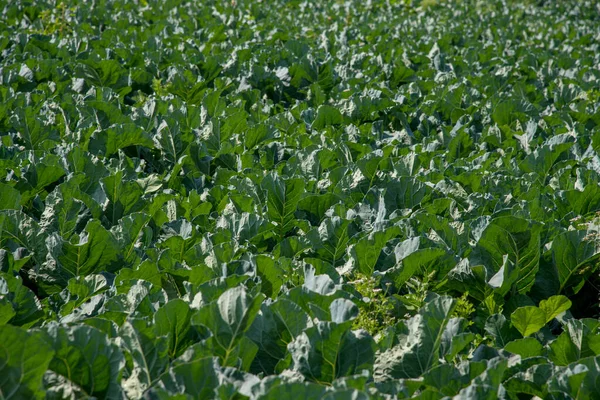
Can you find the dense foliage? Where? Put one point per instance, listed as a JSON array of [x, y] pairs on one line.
[[312, 199]]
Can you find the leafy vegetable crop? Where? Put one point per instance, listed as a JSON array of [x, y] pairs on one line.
[[341, 200]]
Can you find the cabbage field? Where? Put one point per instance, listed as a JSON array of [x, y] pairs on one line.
[[299, 199]]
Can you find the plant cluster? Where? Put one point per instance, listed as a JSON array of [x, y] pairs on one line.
[[340, 199]]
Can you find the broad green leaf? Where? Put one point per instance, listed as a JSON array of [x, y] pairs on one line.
[[295, 390], [292, 317], [406, 192], [504, 112], [82, 289], [501, 330], [343, 310], [24, 358], [331, 239], [321, 284], [173, 321], [64, 213], [401, 74], [100, 73], [526, 347], [197, 379], [124, 196], [120, 136], [412, 259], [138, 299], [148, 352], [419, 350], [554, 306], [563, 351], [506, 276], [369, 165], [246, 352], [458, 344], [316, 299], [316, 205], [292, 246], [528, 320], [532, 381], [541, 159], [179, 237], [573, 344], [569, 382], [488, 384], [10, 198], [583, 202], [267, 333], [129, 234], [366, 251], [520, 240], [170, 140], [244, 227], [327, 116], [17, 230], [330, 350], [274, 327], [229, 317], [591, 383], [7, 312], [34, 133], [86, 357], [271, 275], [19, 301], [257, 134], [146, 271], [449, 380], [95, 251], [39, 175], [282, 201], [234, 124], [454, 340], [572, 253], [466, 278]]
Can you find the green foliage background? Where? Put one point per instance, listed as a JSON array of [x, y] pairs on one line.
[[339, 199]]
